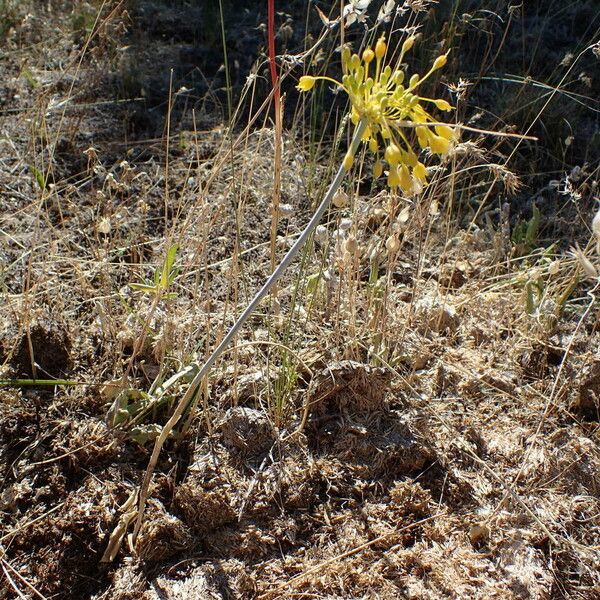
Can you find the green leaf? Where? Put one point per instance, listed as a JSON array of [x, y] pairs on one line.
[[28, 382], [530, 303], [143, 287], [142, 434], [533, 227], [29, 77], [165, 277], [39, 177]]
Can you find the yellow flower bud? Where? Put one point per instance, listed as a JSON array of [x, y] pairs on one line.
[[420, 172], [413, 80], [399, 77], [439, 62], [346, 54], [438, 144], [348, 161], [368, 55], [366, 134], [393, 154], [445, 132], [306, 83], [373, 145], [442, 105], [380, 48], [377, 169], [408, 44], [406, 182]]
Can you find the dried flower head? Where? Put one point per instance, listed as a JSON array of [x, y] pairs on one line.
[[584, 262], [393, 111]]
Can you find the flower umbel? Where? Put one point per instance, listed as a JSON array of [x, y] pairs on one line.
[[391, 108]]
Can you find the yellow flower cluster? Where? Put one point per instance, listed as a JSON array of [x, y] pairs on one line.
[[391, 107]]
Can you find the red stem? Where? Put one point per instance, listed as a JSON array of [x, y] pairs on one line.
[[278, 128], [271, 43]]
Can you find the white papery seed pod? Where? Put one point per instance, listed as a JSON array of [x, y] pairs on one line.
[[596, 230], [321, 234], [392, 244], [340, 199]]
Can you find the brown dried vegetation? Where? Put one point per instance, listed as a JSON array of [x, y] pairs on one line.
[[397, 423]]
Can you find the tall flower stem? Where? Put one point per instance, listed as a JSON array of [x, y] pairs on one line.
[[222, 346]]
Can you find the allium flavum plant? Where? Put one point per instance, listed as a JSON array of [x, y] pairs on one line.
[[389, 109], [382, 109]]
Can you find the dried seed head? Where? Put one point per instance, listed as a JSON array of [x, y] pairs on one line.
[[340, 199], [321, 234], [345, 224], [351, 245], [392, 244], [554, 268]]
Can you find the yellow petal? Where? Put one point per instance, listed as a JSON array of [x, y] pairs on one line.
[[445, 132], [377, 169], [420, 172], [443, 105], [406, 182], [411, 159], [423, 136], [306, 83], [438, 144], [393, 154]]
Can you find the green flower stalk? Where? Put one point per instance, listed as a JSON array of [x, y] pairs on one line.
[[391, 106]]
